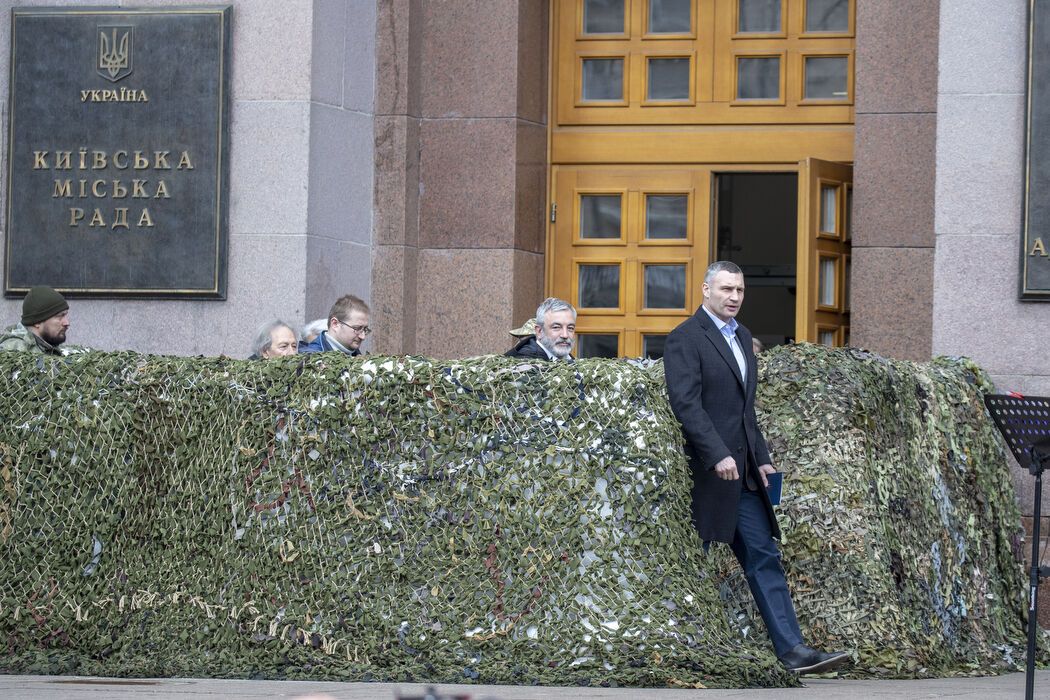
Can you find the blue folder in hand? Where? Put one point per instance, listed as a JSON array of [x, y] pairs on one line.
[[776, 485]]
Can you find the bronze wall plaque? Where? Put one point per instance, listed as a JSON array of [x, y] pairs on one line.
[[117, 162], [1035, 236]]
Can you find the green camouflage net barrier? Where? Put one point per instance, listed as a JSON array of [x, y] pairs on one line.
[[902, 531], [484, 519]]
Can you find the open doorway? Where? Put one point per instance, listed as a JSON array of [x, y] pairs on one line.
[[756, 225]]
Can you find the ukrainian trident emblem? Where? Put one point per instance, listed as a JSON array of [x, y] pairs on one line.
[[114, 52]]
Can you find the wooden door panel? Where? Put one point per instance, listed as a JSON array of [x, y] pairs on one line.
[[647, 194], [822, 310]]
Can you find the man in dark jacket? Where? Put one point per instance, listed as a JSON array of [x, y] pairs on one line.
[[347, 328], [45, 320], [554, 336], [711, 376]]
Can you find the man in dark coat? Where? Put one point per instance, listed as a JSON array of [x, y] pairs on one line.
[[554, 336], [45, 320], [711, 379], [347, 328]]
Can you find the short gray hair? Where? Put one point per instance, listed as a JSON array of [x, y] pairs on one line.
[[552, 305], [263, 338], [721, 266]]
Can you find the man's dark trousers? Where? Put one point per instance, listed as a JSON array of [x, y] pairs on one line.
[[757, 552]]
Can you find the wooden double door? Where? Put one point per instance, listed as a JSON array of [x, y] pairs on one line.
[[629, 245]]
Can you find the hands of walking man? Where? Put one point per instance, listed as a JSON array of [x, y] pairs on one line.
[[726, 469]]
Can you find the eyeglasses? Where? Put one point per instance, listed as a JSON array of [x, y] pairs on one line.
[[360, 330]]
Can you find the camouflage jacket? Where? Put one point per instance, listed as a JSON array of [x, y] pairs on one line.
[[18, 338]]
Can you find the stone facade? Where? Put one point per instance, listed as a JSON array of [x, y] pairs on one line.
[[301, 154], [939, 175], [894, 173], [397, 150], [979, 196], [460, 173]]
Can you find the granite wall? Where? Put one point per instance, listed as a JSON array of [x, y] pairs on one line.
[[461, 152], [301, 172], [938, 197], [979, 198], [980, 191], [894, 167]]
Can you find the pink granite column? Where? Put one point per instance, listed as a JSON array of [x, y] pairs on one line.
[[460, 173], [396, 194], [895, 160]]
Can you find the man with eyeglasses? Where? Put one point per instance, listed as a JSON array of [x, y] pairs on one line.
[[347, 328]]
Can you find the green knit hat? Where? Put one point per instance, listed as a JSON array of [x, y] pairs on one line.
[[41, 304]]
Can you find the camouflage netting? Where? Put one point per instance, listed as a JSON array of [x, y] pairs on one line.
[[902, 535], [409, 519]]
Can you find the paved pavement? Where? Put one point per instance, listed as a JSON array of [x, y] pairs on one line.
[[1006, 687]]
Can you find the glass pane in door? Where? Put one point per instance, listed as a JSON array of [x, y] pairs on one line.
[[600, 215], [826, 282], [603, 16], [653, 346], [664, 287], [599, 287], [826, 78], [597, 345], [849, 214], [670, 16], [845, 284], [668, 79], [828, 202], [602, 79], [758, 16], [758, 78], [827, 15], [666, 216]]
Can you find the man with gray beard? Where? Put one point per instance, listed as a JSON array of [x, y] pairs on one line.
[[555, 333]]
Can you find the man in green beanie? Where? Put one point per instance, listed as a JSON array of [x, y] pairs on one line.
[[45, 320]]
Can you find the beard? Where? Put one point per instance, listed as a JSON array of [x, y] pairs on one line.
[[558, 348], [54, 339]]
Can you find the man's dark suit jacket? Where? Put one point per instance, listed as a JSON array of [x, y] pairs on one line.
[[717, 413]]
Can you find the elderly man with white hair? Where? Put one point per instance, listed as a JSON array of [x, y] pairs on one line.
[[555, 333], [274, 339]]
